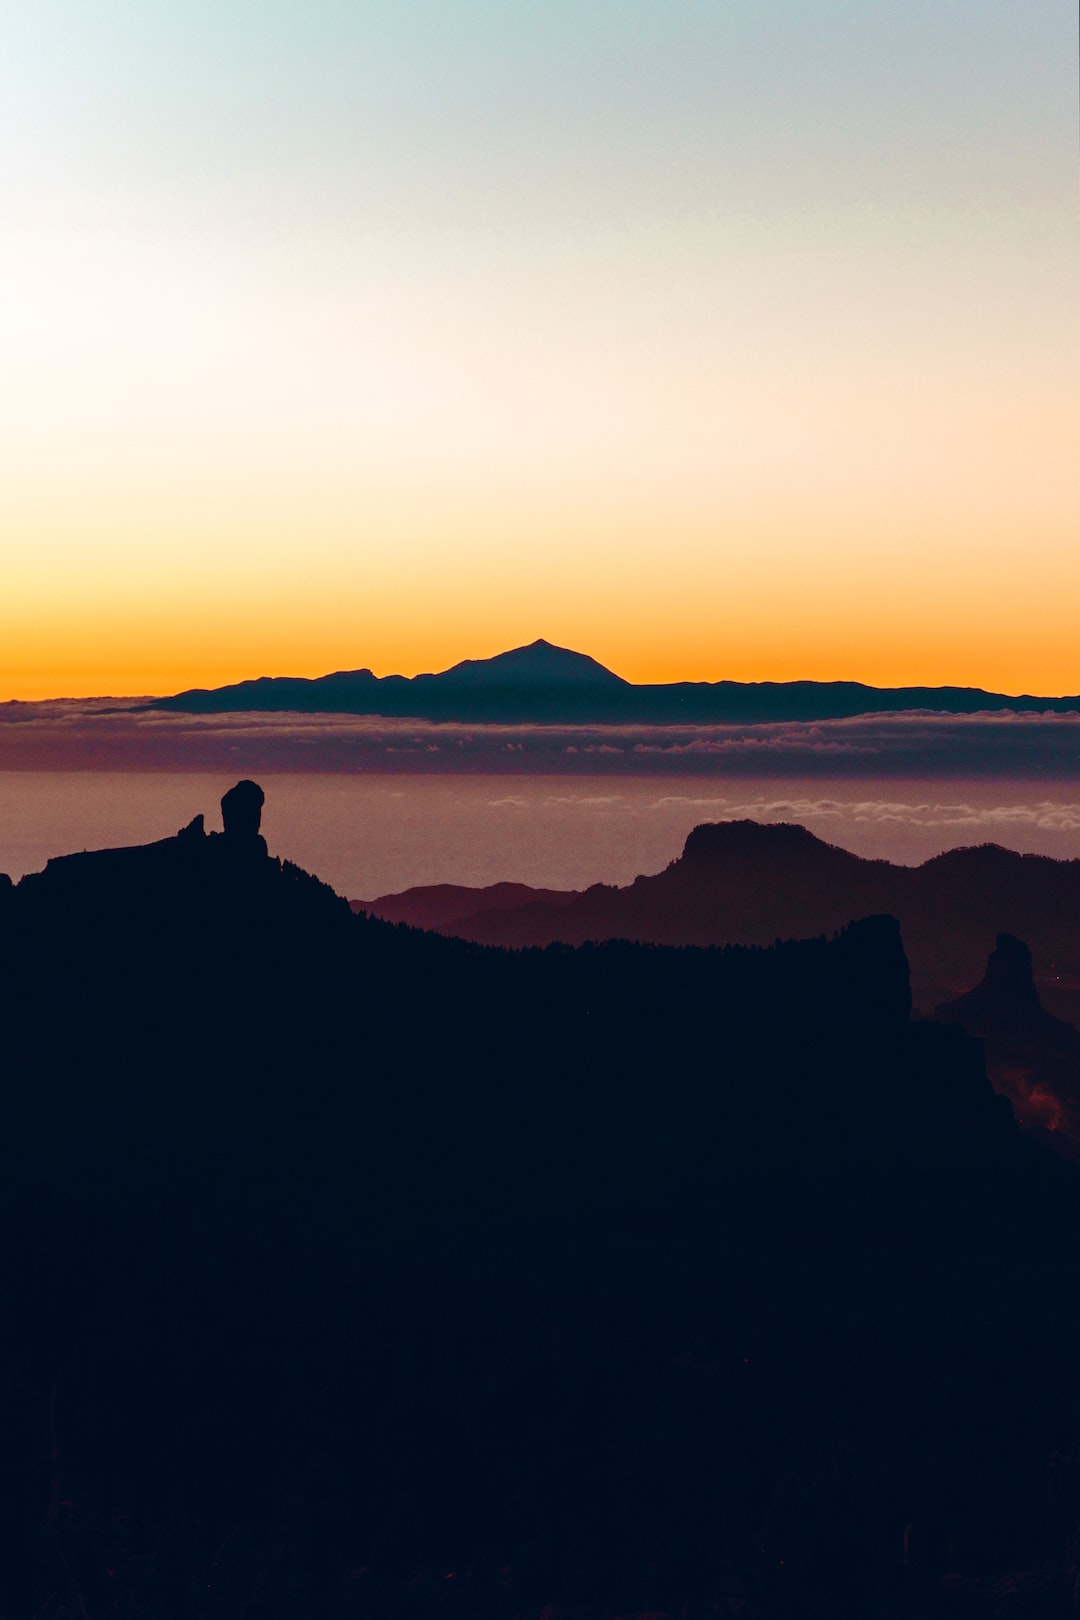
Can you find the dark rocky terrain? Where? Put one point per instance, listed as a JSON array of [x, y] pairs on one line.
[[352, 1271], [743, 883], [1032, 1057]]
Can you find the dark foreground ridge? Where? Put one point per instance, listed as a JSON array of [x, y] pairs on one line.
[[354, 1271], [742, 883], [552, 685]]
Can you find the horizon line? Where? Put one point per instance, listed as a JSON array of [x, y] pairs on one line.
[[541, 641]]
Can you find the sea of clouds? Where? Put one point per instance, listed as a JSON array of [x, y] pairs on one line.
[[98, 735]]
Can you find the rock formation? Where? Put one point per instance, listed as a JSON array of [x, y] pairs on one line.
[[241, 811], [1031, 1057]]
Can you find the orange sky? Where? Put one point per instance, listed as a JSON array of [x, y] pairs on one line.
[[719, 345]]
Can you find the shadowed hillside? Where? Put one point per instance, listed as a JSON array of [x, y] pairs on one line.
[[740, 882], [351, 1270]]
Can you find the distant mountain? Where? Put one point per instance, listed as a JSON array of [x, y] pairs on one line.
[[540, 664], [740, 882], [438, 907], [553, 685]]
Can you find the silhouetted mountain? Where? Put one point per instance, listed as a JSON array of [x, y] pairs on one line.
[[540, 664], [350, 1270], [1032, 1057], [742, 883], [438, 906], [547, 684], [1006, 997]]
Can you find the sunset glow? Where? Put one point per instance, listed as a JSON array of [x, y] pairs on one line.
[[713, 340]]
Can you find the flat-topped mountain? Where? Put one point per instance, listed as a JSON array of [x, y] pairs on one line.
[[550, 685], [741, 882]]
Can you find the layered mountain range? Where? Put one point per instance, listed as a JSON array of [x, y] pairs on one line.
[[745, 883], [546, 684]]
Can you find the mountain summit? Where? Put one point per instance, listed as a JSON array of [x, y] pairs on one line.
[[539, 664]]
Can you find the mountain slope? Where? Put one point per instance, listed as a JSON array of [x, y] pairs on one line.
[[539, 664], [744, 883]]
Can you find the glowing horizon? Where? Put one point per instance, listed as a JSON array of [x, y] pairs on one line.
[[166, 678], [712, 344]]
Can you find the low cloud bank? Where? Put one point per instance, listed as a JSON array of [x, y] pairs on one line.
[[1047, 815], [95, 735]]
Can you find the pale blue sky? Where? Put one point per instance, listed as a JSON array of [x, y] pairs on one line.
[[516, 106]]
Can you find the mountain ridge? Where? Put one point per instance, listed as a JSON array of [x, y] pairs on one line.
[[748, 883], [547, 684], [353, 1271]]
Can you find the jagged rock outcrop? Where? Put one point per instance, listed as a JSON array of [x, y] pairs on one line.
[[1032, 1057], [241, 813], [1006, 998]]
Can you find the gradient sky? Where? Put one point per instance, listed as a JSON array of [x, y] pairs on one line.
[[737, 338]]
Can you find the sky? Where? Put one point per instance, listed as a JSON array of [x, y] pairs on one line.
[[716, 339]]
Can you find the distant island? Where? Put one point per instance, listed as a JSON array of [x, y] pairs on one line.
[[544, 684]]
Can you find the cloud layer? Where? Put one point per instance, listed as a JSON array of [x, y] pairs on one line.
[[95, 735]]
